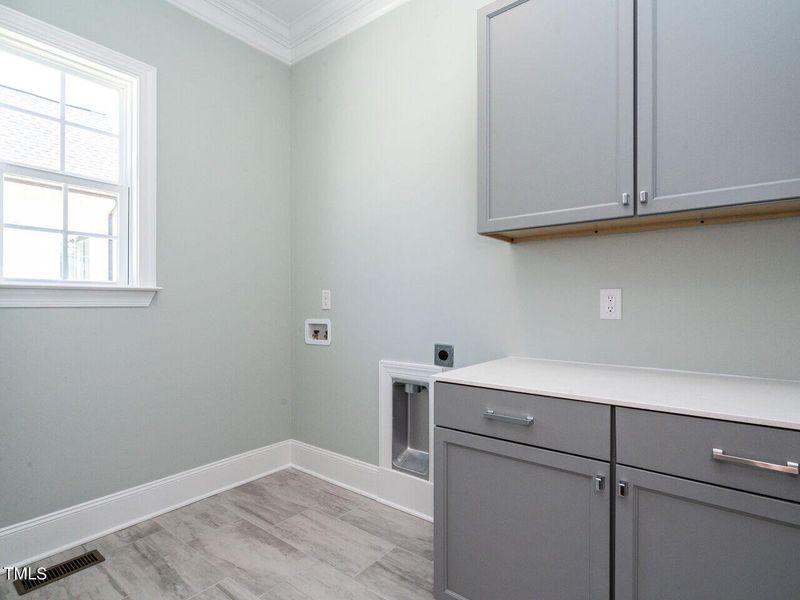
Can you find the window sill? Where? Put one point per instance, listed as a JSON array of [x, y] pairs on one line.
[[73, 296]]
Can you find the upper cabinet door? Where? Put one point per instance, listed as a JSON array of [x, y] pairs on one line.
[[555, 112], [718, 98]]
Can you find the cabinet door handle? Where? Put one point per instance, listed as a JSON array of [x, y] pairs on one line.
[[643, 197], [524, 421], [626, 199], [599, 483], [790, 468]]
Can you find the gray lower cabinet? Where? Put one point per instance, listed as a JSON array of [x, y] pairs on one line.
[[677, 539], [556, 112], [718, 91], [515, 522], [702, 509], [721, 453], [569, 426]]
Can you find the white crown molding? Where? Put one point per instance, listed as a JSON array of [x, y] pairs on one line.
[[288, 42], [334, 20], [246, 21]]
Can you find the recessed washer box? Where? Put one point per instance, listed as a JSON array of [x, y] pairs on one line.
[[318, 332]]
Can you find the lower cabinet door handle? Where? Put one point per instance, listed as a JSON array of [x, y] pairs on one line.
[[790, 468], [524, 421]]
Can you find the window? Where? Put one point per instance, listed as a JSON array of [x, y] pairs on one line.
[[77, 170]]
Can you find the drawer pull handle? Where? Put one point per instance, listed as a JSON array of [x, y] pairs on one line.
[[790, 468], [524, 421]]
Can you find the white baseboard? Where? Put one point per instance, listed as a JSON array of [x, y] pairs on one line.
[[43, 536], [407, 493], [38, 538], [404, 492]]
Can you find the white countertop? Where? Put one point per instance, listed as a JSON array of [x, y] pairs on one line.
[[772, 402]]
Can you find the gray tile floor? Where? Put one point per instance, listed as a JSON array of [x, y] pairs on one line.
[[287, 536]]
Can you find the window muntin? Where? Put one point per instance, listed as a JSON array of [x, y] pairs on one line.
[[65, 169], [29, 85], [86, 223]]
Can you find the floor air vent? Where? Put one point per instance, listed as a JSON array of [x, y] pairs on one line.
[[59, 571]]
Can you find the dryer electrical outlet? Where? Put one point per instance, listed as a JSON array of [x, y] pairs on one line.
[[443, 355]]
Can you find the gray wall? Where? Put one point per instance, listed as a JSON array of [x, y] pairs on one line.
[[98, 400], [383, 213]]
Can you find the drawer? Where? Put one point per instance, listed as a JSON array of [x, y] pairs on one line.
[[570, 426], [684, 446]]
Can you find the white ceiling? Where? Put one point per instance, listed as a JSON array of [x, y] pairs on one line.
[[288, 30], [289, 11]]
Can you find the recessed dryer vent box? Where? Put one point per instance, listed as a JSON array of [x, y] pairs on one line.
[[318, 332]]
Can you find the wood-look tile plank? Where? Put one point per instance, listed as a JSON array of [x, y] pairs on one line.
[[161, 567], [286, 592], [311, 492], [260, 504], [399, 528], [250, 555], [191, 520], [400, 575], [321, 583], [227, 589], [287, 536], [330, 540], [123, 537], [6, 588]]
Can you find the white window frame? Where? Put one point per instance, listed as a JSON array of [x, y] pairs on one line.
[[136, 284]]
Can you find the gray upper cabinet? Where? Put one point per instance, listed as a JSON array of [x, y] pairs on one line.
[[718, 97], [679, 539], [555, 112], [515, 522]]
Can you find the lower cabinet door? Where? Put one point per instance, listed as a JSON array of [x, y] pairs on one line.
[[681, 540], [514, 522]]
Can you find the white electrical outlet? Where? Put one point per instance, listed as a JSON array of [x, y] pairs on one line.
[[326, 299], [611, 304]]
